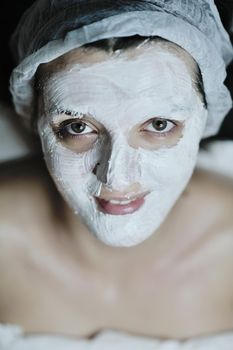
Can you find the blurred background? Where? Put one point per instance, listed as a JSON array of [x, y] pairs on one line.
[[16, 143]]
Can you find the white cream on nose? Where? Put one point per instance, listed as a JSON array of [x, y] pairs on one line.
[[119, 166]]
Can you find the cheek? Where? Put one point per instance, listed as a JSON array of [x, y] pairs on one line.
[[170, 167], [72, 174], [174, 165], [68, 166], [65, 165]]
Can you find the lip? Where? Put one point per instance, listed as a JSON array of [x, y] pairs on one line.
[[120, 209]]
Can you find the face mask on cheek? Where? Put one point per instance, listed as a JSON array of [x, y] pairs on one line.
[[162, 173]]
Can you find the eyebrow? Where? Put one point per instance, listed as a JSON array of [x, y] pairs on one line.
[[56, 111], [67, 111]]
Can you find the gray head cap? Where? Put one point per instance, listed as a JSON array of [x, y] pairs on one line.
[[51, 28]]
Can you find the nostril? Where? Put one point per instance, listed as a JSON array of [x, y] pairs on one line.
[[95, 168]]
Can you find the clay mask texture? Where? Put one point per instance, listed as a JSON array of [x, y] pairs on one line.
[[121, 93]]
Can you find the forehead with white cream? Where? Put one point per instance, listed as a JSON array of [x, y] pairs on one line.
[[154, 79]]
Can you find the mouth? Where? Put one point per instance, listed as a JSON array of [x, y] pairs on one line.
[[120, 206]]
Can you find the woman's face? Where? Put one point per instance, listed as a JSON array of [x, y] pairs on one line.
[[120, 135]]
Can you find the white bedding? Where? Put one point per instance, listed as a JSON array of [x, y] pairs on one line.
[[12, 338], [217, 158], [13, 144]]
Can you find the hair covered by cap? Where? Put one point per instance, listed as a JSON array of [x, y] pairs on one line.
[[51, 28]]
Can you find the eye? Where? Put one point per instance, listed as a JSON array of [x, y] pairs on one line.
[[159, 125], [79, 128], [74, 129]]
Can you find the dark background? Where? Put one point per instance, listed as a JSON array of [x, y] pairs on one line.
[[10, 13]]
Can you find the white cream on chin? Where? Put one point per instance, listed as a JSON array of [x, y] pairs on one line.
[[120, 93]]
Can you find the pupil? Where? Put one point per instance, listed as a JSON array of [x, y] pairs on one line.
[[159, 125], [78, 127]]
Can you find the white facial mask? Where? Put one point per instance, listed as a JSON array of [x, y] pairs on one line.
[[120, 93]]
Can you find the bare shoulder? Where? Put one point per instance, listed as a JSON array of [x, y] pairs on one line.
[[27, 195], [213, 184], [213, 194]]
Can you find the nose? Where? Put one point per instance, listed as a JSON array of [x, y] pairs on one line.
[[118, 167], [101, 167]]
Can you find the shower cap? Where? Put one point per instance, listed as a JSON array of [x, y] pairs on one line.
[[51, 28]]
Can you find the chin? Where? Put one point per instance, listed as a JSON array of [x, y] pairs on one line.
[[122, 237], [127, 243]]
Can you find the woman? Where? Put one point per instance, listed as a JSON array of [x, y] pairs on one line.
[[120, 95]]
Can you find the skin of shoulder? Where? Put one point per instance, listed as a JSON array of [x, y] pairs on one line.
[[215, 192], [28, 197]]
